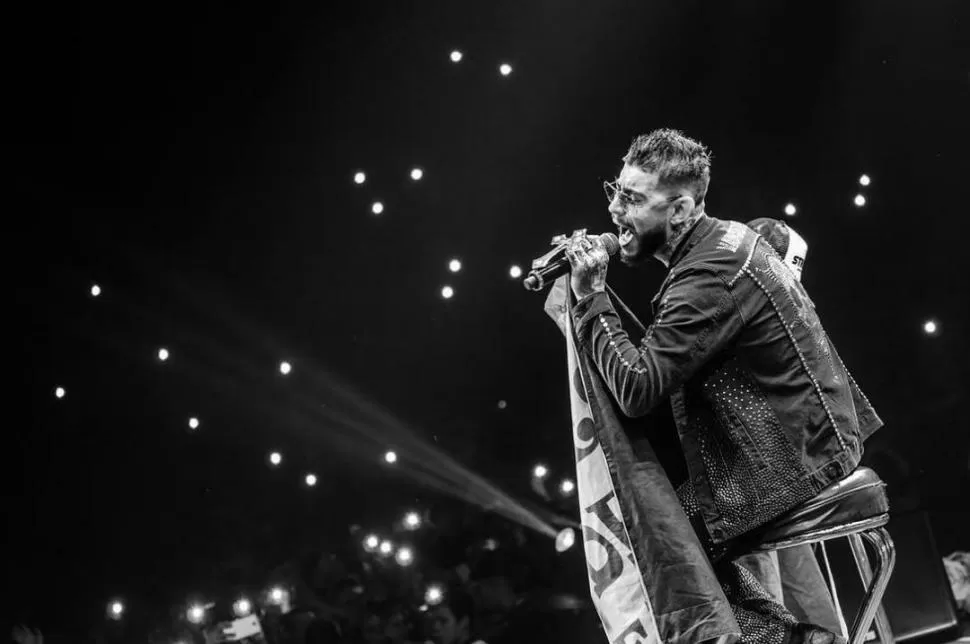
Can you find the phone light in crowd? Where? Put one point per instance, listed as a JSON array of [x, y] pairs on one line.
[[416, 174], [242, 607], [412, 521], [859, 201], [567, 486], [864, 180], [285, 368], [163, 354], [930, 327], [515, 272], [95, 290], [404, 556], [377, 207], [277, 595], [360, 178], [196, 614], [386, 547], [447, 292], [311, 480], [505, 69], [371, 542], [390, 457], [790, 209], [456, 56], [540, 471], [565, 539], [193, 423], [434, 595], [275, 458], [60, 392], [116, 609], [454, 265]]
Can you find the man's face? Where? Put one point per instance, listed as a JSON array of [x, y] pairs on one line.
[[445, 629], [640, 210]]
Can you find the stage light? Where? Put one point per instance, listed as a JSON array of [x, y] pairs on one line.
[[193, 423], [95, 290], [386, 547], [275, 458], [447, 292], [416, 174], [277, 595], [864, 180], [930, 327], [859, 201], [434, 595], [360, 178], [311, 480], [377, 208], [567, 486], [371, 542], [163, 354], [505, 69], [502, 404], [116, 609], [196, 614], [404, 556], [454, 266], [456, 56], [285, 368], [515, 272], [565, 539], [790, 209], [242, 607], [60, 392], [540, 471], [390, 457], [412, 521]]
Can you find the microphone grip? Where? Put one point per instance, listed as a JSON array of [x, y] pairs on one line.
[[539, 278]]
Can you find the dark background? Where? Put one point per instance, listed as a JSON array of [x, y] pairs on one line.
[[196, 161]]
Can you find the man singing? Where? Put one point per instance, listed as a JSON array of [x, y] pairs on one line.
[[766, 413]]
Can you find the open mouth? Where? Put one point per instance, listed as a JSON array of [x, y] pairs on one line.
[[626, 236]]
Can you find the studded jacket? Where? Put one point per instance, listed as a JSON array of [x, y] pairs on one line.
[[766, 412]]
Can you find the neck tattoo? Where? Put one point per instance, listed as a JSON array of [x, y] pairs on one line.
[[679, 225]]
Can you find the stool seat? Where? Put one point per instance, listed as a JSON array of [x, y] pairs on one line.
[[859, 497]]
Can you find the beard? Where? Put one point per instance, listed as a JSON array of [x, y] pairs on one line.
[[642, 248]]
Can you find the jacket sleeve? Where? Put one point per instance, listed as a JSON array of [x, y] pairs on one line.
[[697, 317]]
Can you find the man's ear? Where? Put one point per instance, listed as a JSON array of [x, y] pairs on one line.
[[683, 209]]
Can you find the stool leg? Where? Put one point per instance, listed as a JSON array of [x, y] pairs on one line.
[[875, 584]]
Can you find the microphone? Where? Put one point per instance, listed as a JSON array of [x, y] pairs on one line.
[[553, 264]]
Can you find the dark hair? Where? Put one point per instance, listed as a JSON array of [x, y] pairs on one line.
[[676, 159]]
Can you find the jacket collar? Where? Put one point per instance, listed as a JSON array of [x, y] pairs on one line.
[[697, 232]]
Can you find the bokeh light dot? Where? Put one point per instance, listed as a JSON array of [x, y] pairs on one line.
[[404, 556], [447, 292], [311, 479], [95, 290], [163, 354], [790, 209], [860, 200], [285, 368], [540, 471], [454, 265], [377, 208], [275, 458], [864, 180], [390, 457], [60, 392], [456, 56], [505, 69], [193, 423], [567, 486], [417, 174], [930, 327], [502, 404], [360, 178], [515, 272]]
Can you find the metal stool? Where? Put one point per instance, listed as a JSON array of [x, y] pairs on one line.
[[855, 507]]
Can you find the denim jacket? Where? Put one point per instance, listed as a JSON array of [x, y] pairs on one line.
[[766, 412]]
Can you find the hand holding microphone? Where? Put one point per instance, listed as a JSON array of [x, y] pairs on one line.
[[585, 256]]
